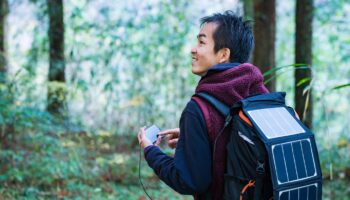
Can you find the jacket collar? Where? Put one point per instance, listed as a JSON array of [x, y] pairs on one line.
[[221, 67]]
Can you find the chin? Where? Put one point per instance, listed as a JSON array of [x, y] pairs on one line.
[[194, 71], [197, 73], [197, 70]]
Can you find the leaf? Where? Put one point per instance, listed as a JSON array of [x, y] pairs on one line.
[[288, 67], [108, 86], [297, 66], [342, 143], [304, 80], [273, 77], [341, 86], [81, 84], [307, 89]]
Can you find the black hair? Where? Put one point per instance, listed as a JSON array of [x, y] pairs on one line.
[[232, 32]]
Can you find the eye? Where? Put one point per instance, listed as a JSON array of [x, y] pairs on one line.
[[201, 42]]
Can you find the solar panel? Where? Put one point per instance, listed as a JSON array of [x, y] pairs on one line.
[[308, 192], [291, 148], [294, 161], [275, 122]]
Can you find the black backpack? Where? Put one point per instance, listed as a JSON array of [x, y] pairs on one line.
[[270, 153]]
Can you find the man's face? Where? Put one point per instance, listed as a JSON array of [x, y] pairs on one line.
[[203, 55]]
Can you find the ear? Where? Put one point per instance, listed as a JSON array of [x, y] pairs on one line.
[[224, 55]]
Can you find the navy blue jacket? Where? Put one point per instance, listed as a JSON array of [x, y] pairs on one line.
[[189, 171]]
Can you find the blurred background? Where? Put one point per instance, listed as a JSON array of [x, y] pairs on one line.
[[78, 78]]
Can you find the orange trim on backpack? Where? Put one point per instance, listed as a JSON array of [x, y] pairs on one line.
[[244, 118], [296, 114], [251, 183]]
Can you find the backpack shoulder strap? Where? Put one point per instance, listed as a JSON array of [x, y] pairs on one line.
[[218, 105], [225, 111]]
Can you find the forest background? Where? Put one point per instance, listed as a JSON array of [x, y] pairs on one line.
[[78, 78]]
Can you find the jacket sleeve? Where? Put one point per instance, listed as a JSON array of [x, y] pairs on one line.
[[189, 171]]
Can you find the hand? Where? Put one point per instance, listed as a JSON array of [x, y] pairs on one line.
[[143, 140], [172, 136]]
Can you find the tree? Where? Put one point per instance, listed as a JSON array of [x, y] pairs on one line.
[[3, 14], [264, 33], [303, 54], [56, 88], [6, 128], [248, 9]]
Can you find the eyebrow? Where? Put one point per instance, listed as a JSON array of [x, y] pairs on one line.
[[201, 35]]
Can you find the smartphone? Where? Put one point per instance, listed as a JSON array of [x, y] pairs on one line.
[[152, 133]]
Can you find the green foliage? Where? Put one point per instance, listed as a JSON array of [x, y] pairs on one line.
[[336, 189], [128, 65], [330, 94], [278, 71], [75, 165]]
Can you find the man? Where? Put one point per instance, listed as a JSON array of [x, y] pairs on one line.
[[224, 45]]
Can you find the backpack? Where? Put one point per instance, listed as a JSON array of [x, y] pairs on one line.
[[270, 153]]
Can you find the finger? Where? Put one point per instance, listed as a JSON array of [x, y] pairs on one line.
[[171, 136], [172, 146], [165, 132], [139, 137], [141, 134], [158, 141], [172, 143], [169, 131]]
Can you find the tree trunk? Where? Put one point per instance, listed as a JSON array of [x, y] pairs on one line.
[[3, 15], [7, 129], [56, 88], [248, 9], [264, 33], [303, 54]]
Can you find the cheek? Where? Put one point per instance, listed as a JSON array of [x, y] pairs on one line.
[[203, 54], [206, 57]]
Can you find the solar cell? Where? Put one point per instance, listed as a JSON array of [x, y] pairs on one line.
[[308, 192], [275, 122], [293, 161]]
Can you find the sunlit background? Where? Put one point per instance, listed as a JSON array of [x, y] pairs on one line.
[[127, 66]]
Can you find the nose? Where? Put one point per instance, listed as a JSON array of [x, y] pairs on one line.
[[193, 50]]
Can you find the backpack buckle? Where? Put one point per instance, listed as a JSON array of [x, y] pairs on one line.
[[260, 167]]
